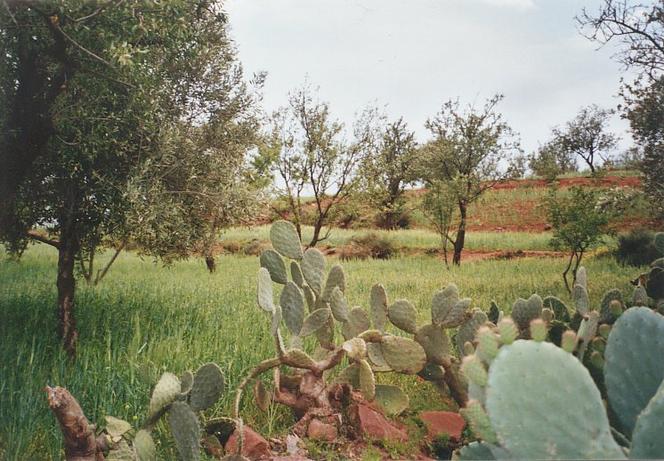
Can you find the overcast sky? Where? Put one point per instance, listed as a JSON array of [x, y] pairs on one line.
[[411, 55]]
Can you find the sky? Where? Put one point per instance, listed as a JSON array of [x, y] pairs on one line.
[[410, 56]]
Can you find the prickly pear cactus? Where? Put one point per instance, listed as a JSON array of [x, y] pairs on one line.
[[634, 367]]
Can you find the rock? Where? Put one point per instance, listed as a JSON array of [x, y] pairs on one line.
[[443, 423], [290, 458], [254, 446], [372, 424], [319, 430]]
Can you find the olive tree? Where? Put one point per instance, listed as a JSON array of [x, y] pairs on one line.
[[467, 152], [91, 93], [309, 154]]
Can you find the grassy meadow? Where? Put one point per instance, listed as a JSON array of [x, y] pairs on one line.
[[145, 318]]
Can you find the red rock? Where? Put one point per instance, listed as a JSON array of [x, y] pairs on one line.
[[319, 430], [290, 458], [372, 424], [254, 446], [443, 422]]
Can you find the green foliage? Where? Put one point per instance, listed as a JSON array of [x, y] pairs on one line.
[[638, 248]]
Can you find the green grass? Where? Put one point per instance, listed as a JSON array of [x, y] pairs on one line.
[[146, 318], [410, 239]]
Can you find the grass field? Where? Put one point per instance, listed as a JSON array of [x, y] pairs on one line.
[[146, 318], [410, 239]]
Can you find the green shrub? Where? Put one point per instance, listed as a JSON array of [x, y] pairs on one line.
[[637, 248], [369, 245]]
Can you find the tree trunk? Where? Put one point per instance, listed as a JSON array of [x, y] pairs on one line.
[[316, 237], [66, 284], [210, 263], [461, 235]]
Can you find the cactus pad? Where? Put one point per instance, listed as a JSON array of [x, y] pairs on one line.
[[634, 367], [207, 388], [524, 311], [559, 308], [296, 274], [434, 341], [647, 440], [655, 284], [391, 399], [474, 370], [315, 321], [285, 240], [475, 451], [292, 307], [507, 331], [446, 308], [606, 312], [262, 397], [186, 381], [659, 242], [356, 348], [186, 431], [375, 354], [378, 303], [402, 354], [339, 305], [640, 297], [403, 315], [367, 380], [487, 344], [335, 278], [164, 393], [299, 359], [144, 446], [358, 321], [274, 263], [313, 268], [581, 300], [556, 391], [350, 375], [265, 293], [479, 421], [469, 328], [581, 277]]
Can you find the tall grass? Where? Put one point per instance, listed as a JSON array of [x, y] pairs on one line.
[[146, 318]]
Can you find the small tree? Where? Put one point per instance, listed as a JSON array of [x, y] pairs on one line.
[[439, 207], [550, 161], [578, 224], [389, 169], [586, 137], [466, 152], [309, 155]]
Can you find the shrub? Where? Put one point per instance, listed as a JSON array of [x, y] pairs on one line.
[[369, 245], [637, 248]]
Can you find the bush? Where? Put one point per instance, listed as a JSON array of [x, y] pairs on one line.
[[637, 248], [369, 245]]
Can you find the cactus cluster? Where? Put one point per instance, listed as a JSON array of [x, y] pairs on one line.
[[533, 400], [180, 400]]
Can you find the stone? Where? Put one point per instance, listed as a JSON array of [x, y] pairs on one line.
[[319, 430], [372, 424], [443, 423], [254, 446]]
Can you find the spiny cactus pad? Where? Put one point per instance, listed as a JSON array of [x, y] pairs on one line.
[[378, 303], [339, 305], [265, 293], [581, 300], [606, 313], [640, 297], [475, 451], [391, 399], [186, 381], [659, 242], [274, 263], [634, 365], [468, 329], [164, 393], [367, 380], [435, 342], [524, 311], [300, 359], [207, 388], [402, 354], [559, 308], [557, 392], [296, 274], [358, 321], [356, 348], [313, 269], [144, 446], [285, 240], [335, 278], [186, 431], [375, 354], [479, 421], [446, 308], [292, 307], [261, 396], [403, 315], [647, 439], [581, 277], [315, 321]]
